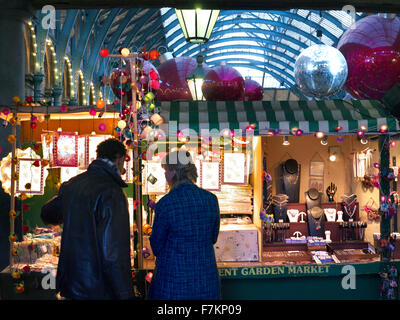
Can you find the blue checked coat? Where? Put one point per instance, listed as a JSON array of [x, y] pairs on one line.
[[185, 228]]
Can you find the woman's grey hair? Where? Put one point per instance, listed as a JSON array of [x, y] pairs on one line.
[[182, 163]]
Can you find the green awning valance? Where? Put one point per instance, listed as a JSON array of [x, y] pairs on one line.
[[309, 116]]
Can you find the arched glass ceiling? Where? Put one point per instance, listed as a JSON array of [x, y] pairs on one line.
[[261, 44]]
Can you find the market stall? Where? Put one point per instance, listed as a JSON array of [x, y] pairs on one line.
[[242, 164]]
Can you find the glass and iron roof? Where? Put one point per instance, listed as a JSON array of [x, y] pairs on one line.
[[262, 45]]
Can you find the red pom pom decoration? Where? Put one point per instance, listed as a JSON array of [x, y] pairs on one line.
[[104, 53]]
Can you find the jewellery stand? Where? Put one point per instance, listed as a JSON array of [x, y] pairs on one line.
[[340, 216], [291, 179], [316, 221], [293, 215], [313, 198], [330, 214]]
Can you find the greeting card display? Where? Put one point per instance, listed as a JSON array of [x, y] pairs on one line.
[[30, 176], [153, 178], [235, 168], [65, 150], [210, 175]]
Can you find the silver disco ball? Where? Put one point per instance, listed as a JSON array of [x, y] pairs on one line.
[[320, 71]]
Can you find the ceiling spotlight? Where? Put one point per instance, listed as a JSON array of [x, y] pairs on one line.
[[364, 140], [319, 134], [334, 153], [286, 141], [324, 141]]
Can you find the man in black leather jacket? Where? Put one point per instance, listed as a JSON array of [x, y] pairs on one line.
[[95, 245]]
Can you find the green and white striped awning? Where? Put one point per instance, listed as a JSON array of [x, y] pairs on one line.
[[309, 116]]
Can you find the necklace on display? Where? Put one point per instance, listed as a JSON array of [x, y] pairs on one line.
[[353, 199], [317, 222], [293, 215], [330, 214], [346, 209], [297, 174]]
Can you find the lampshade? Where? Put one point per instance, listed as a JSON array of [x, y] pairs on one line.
[[195, 80], [197, 24]]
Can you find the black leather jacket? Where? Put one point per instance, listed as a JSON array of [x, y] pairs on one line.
[[95, 246]]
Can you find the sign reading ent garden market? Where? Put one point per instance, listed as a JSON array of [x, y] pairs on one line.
[[271, 271]]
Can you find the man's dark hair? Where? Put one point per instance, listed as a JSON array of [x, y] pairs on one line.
[[111, 149]]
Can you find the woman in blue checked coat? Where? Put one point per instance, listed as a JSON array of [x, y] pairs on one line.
[[185, 228]]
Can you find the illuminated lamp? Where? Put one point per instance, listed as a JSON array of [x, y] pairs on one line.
[[195, 80], [197, 24], [286, 141]]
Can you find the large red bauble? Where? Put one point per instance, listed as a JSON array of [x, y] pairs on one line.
[[253, 90], [372, 51], [223, 83], [173, 73], [122, 77]]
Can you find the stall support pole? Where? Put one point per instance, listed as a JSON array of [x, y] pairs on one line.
[[384, 186], [136, 170], [395, 228], [12, 193]]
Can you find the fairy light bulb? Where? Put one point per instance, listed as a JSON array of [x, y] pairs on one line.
[[125, 52], [59, 129], [121, 124]]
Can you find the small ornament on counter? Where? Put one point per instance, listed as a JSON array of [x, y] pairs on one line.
[[26, 269], [135, 204], [152, 179], [149, 276], [20, 288], [146, 252], [147, 229], [16, 274], [331, 191], [151, 204], [12, 238]]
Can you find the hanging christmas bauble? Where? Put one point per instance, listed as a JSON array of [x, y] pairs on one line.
[[124, 90], [100, 103], [154, 54], [102, 127], [104, 53], [173, 73], [253, 90], [223, 83], [371, 48], [320, 71]]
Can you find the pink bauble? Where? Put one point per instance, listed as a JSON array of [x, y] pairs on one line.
[[115, 80], [173, 73], [372, 51], [253, 90], [223, 83]]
